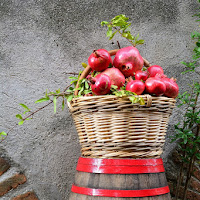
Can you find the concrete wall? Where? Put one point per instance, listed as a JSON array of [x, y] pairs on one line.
[[41, 40]]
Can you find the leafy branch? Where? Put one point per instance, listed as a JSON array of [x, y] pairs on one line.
[[22, 119], [188, 130], [120, 24]]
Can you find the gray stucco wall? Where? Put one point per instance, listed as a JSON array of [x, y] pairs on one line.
[[41, 40]]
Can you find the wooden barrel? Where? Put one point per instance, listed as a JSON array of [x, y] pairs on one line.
[[120, 179]]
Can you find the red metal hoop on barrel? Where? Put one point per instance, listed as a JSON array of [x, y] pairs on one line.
[[105, 168]]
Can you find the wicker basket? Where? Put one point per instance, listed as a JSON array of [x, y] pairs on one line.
[[112, 127]]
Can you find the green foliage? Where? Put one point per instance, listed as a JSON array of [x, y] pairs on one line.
[[42, 99], [3, 135], [84, 89], [84, 65], [25, 107], [188, 130], [21, 122], [54, 102], [75, 79], [19, 116], [133, 97], [68, 95], [119, 24], [194, 64], [63, 104]]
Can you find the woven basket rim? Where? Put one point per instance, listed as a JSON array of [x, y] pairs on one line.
[[144, 95], [151, 102]]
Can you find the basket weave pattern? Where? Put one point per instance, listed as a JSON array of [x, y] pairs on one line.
[[112, 127]]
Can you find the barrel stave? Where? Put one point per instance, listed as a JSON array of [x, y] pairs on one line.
[[120, 181], [75, 196]]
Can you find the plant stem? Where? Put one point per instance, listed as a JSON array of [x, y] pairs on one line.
[[180, 177], [72, 73], [189, 174], [32, 113], [192, 160], [38, 110], [118, 45], [58, 95], [62, 94], [192, 91], [118, 30], [67, 87]]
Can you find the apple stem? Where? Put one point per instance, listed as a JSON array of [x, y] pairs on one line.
[[91, 80], [96, 53], [129, 79], [174, 79]]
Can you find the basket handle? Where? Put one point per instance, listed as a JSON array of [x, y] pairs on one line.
[[88, 69]]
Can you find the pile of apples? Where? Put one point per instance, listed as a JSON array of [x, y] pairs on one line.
[[128, 71]]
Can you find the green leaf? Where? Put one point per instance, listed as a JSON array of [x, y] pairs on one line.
[[77, 88], [3, 135], [137, 36], [82, 80], [58, 91], [114, 87], [79, 74], [21, 122], [129, 36], [113, 34], [43, 99], [197, 156], [24, 106], [74, 82], [87, 91], [109, 32], [184, 63], [84, 65], [70, 97], [133, 99], [87, 85], [198, 44], [63, 104], [185, 140], [80, 91], [140, 42], [119, 21], [72, 77], [46, 93], [125, 35], [69, 90], [197, 49], [104, 23], [19, 116], [54, 102], [141, 101]]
